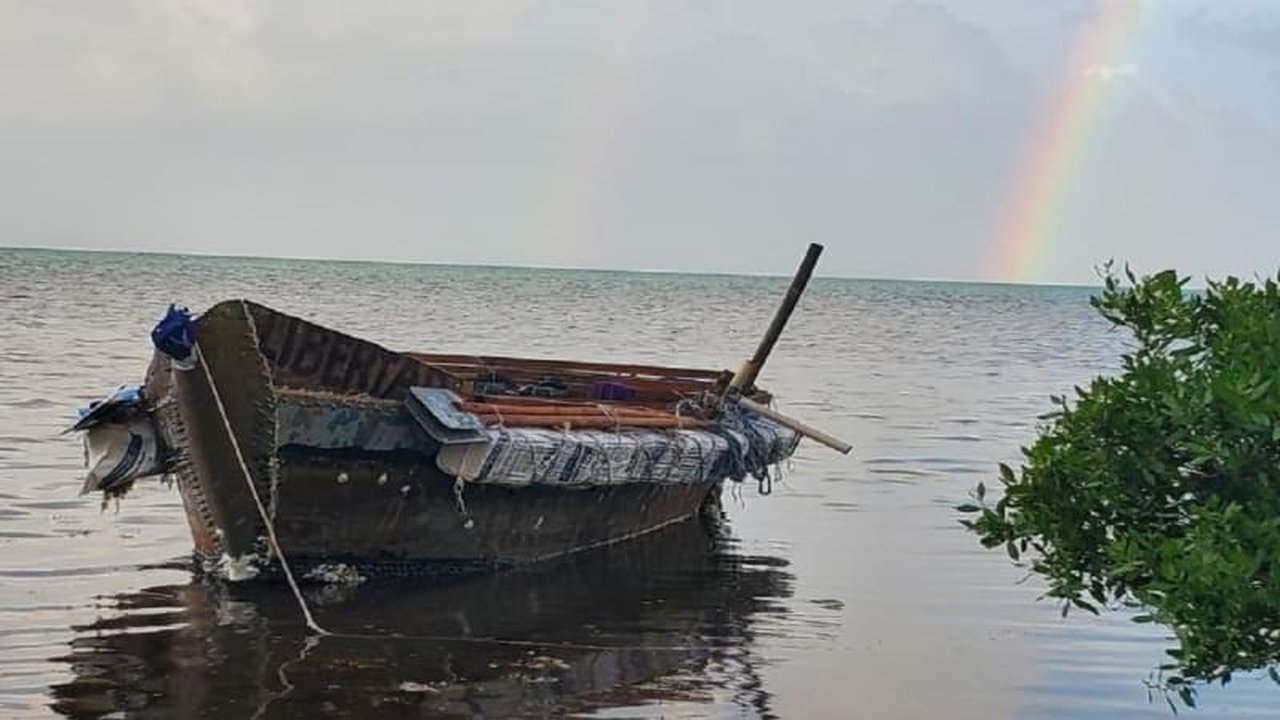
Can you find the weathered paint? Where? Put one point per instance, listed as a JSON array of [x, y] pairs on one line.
[[305, 355], [210, 472], [331, 423]]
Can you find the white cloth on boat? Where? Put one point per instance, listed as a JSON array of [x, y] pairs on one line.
[[544, 456], [116, 453]]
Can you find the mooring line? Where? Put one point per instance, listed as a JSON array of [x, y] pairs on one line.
[[257, 499], [548, 645]]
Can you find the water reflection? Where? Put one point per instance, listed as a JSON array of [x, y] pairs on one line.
[[649, 627]]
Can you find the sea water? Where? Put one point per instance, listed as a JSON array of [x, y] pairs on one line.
[[846, 589]]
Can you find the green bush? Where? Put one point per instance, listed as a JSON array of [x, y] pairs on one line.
[[1159, 488]]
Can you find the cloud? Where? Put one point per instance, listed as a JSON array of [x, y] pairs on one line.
[[1257, 32], [1111, 72], [915, 53]]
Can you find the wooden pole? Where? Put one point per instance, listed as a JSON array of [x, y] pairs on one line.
[[746, 376], [810, 432], [750, 370]]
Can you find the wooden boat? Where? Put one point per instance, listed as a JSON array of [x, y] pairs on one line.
[[291, 440]]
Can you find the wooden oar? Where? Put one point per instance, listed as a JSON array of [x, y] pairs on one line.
[[812, 433]]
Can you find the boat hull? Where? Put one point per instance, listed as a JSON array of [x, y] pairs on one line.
[[380, 506], [387, 518]]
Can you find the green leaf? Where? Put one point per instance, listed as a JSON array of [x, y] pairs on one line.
[[968, 508], [1188, 695], [1006, 474], [1084, 605]]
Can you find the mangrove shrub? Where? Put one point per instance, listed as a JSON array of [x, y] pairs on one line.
[[1159, 488]]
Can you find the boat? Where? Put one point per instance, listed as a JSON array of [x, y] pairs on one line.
[[297, 445]]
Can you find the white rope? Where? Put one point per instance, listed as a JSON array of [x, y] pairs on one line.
[[609, 414], [257, 500]]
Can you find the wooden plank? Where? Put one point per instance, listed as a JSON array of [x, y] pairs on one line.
[[644, 394], [496, 362], [570, 410], [808, 431], [597, 422], [529, 400], [747, 374]]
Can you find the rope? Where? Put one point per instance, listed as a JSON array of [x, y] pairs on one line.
[[536, 644], [461, 504], [308, 645], [609, 414], [257, 501]]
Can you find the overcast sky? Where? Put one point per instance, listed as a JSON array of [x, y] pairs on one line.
[[702, 135]]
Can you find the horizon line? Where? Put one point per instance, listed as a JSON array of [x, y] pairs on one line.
[[553, 268]]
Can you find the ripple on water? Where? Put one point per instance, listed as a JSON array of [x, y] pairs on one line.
[[957, 438], [63, 572], [36, 403], [73, 504], [23, 535]]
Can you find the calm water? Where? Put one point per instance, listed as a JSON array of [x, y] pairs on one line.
[[848, 592]]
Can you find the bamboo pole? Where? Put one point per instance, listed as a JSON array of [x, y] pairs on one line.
[[810, 432], [549, 409], [596, 422]]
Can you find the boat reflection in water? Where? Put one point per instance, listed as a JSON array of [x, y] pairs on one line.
[[655, 625]]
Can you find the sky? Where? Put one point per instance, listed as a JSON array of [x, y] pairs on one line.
[[1005, 140]]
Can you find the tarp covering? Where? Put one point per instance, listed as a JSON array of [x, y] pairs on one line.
[[540, 456]]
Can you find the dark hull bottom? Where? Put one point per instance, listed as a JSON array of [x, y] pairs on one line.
[[330, 568], [393, 519]]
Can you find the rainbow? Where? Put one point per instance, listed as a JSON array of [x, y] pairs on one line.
[[1025, 239]]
